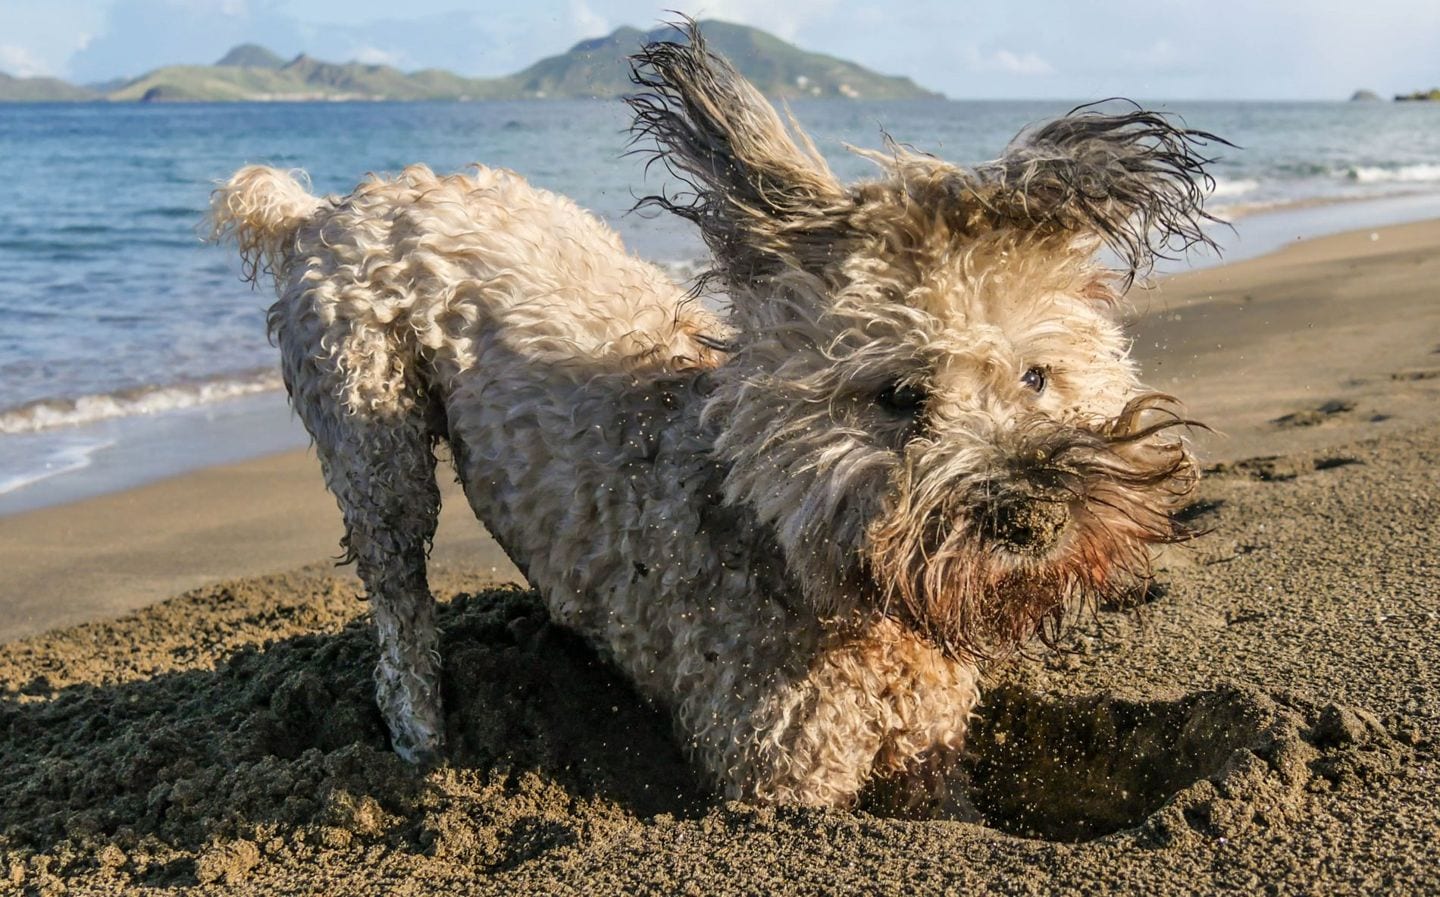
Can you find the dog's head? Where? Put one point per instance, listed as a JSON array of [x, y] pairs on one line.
[[927, 395]]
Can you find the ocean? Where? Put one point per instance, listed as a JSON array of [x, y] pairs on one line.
[[131, 350]]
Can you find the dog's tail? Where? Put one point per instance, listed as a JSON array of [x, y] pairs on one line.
[[260, 209]]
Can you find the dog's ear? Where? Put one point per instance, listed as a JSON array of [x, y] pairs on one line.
[[1135, 180], [762, 200]]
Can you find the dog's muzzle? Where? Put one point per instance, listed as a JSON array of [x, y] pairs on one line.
[[1025, 522], [1026, 513]]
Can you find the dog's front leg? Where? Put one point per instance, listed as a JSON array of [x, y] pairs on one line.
[[871, 716], [930, 785]]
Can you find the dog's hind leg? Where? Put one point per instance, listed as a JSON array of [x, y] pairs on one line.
[[355, 379], [390, 520], [381, 469]]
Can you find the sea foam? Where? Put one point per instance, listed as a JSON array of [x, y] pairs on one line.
[[43, 462], [1375, 174], [1225, 187], [48, 414]]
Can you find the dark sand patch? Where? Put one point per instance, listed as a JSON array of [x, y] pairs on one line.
[[1416, 375], [1313, 417], [162, 761]]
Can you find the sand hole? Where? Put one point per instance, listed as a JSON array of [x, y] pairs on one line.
[[1075, 769], [1146, 591], [1198, 510]]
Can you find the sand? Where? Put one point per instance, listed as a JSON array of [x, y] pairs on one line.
[[1265, 723]]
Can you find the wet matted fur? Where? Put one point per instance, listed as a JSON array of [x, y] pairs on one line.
[[914, 442]]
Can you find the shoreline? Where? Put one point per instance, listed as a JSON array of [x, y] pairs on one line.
[[109, 555], [128, 452]]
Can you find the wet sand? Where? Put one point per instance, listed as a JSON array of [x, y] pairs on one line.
[[1265, 723]]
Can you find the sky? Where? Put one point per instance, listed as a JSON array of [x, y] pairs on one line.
[[1070, 49]]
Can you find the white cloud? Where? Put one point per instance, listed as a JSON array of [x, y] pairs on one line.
[[1027, 64], [20, 62], [377, 56], [237, 9], [1161, 56], [138, 35], [587, 21], [783, 19]]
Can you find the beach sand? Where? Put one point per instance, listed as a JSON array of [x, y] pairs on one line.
[[1266, 722]]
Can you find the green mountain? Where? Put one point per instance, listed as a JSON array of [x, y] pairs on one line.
[[592, 68], [595, 68], [252, 56], [302, 78], [598, 67], [40, 90]]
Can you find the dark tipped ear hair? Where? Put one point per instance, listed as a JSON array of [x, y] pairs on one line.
[[761, 200], [1134, 179]]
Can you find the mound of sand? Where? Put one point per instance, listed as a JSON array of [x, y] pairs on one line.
[[189, 741]]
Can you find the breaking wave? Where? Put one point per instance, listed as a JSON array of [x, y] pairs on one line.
[[1238, 187], [49, 414], [1377, 174]]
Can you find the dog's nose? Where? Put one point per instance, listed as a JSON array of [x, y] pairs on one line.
[[1025, 524]]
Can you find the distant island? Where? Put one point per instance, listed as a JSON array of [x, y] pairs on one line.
[[1370, 96], [594, 68], [40, 90]]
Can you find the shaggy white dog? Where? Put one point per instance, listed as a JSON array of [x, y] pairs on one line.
[[914, 442]]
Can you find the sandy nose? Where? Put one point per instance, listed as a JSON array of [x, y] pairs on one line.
[[1026, 524]]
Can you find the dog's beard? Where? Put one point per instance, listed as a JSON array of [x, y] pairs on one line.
[[937, 560]]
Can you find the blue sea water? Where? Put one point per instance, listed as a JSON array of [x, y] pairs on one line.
[[115, 312]]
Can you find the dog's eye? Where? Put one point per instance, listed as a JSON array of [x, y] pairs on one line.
[[1035, 379], [901, 398]]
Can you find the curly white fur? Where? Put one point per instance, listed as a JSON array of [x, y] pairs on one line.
[[738, 511]]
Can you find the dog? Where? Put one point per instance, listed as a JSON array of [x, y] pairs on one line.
[[913, 443]]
